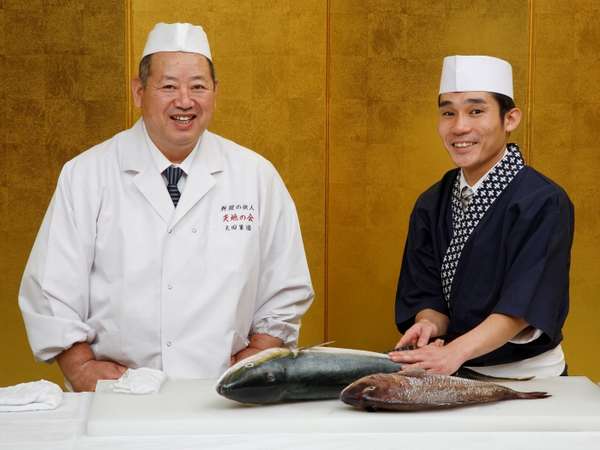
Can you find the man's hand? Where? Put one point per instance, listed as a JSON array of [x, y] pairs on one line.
[[90, 372], [418, 335], [82, 370], [490, 334], [435, 358], [428, 324], [258, 343]]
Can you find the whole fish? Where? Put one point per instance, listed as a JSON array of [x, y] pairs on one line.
[[415, 390], [315, 373]]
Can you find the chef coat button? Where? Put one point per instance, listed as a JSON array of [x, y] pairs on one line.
[[170, 230], [169, 343], [169, 286], [194, 230]]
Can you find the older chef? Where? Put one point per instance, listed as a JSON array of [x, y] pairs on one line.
[[166, 246]]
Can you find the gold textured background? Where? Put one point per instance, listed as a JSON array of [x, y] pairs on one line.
[[565, 142], [62, 70], [67, 63], [341, 96]]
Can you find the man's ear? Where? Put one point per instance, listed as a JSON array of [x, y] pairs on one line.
[[137, 91], [216, 91], [512, 119]]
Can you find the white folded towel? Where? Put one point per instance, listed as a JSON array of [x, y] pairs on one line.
[[140, 381], [32, 396]]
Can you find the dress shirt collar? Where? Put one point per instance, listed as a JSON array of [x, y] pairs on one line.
[[160, 160], [463, 180]]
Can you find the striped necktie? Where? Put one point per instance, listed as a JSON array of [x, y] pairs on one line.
[[466, 195], [173, 174]]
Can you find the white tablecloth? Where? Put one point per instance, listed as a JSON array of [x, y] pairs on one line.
[[64, 429]]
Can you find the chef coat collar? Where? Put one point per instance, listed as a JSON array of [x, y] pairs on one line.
[[134, 156]]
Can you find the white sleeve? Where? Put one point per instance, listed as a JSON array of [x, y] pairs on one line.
[[285, 291], [529, 334], [54, 291]]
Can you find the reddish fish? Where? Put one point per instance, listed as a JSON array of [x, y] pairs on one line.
[[415, 390]]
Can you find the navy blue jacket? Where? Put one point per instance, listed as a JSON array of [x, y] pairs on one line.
[[516, 262]]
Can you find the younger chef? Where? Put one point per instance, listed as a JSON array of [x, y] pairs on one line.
[[486, 261]]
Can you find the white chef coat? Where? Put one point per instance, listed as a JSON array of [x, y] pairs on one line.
[[147, 285]]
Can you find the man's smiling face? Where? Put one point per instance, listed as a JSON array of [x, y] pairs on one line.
[[178, 100], [473, 131]]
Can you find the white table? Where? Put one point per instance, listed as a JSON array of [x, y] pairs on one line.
[[189, 415]]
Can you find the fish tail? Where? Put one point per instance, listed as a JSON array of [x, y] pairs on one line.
[[530, 395]]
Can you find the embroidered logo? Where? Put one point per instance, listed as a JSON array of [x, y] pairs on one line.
[[238, 217]]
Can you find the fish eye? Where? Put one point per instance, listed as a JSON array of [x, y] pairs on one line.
[[369, 388], [249, 365]]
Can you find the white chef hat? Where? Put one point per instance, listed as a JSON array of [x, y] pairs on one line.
[[476, 73], [177, 37]]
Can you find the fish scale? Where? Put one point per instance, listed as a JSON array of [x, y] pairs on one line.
[[414, 390]]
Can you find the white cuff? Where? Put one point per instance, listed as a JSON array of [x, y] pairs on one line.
[[529, 334], [285, 331]]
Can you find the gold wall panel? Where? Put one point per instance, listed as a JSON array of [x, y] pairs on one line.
[[341, 96], [565, 136], [269, 57], [385, 68], [62, 70]]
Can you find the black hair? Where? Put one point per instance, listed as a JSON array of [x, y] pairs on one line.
[[504, 102]]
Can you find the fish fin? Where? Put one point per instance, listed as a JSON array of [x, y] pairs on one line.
[[322, 344], [471, 374], [527, 395], [412, 372]]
